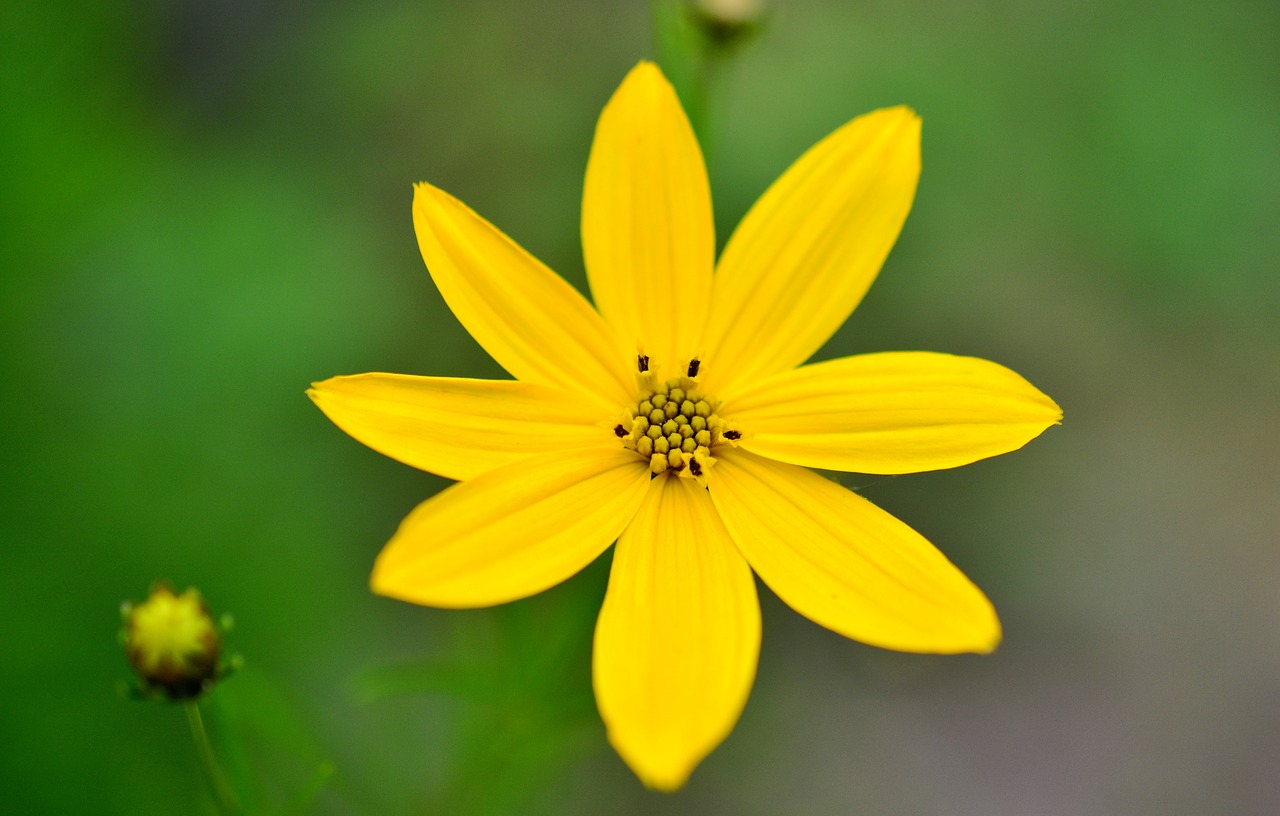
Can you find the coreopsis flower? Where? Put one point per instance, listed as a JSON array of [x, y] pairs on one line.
[[677, 418], [173, 643]]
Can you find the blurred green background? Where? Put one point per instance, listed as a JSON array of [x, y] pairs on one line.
[[205, 206]]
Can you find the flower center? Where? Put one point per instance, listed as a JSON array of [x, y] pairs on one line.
[[673, 425]]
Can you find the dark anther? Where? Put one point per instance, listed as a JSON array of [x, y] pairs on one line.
[[619, 431], [642, 362], [693, 366], [732, 435], [694, 467]]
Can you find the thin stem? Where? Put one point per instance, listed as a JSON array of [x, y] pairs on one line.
[[227, 802], [707, 62]]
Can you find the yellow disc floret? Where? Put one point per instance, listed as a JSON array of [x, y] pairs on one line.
[[673, 425]]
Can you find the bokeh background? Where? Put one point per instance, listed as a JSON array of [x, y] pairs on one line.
[[205, 206]]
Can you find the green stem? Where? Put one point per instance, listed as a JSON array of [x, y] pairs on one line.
[[705, 76], [226, 797]]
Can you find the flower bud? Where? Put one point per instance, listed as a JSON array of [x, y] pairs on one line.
[[173, 643], [726, 22]]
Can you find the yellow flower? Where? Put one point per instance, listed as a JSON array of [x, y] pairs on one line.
[[672, 417]]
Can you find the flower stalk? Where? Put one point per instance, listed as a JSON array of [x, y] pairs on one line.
[[217, 778]]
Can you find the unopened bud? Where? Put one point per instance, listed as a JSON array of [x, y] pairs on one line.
[[173, 643], [727, 21]]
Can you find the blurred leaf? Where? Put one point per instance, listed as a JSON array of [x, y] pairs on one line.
[[521, 674], [304, 798], [275, 758]]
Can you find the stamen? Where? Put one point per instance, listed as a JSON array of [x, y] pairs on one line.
[[673, 426]]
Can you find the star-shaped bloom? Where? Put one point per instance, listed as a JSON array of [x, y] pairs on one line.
[[677, 418]]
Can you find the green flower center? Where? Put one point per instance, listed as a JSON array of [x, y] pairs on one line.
[[673, 425]]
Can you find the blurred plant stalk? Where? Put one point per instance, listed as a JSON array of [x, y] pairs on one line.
[[695, 40], [227, 801]]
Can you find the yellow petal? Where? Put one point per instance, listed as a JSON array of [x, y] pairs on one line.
[[458, 428], [529, 319], [514, 531], [806, 252], [647, 232], [678, 637], [896, 412], [842, 562]]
